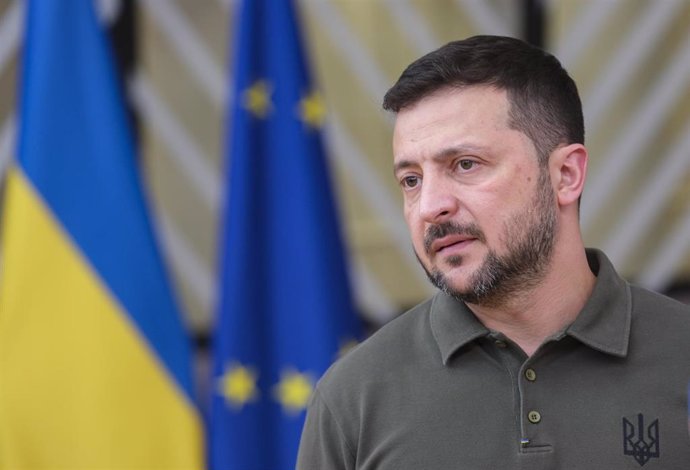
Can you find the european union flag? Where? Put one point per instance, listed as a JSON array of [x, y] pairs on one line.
[[285, 308]]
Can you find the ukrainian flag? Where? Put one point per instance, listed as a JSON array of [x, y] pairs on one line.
[[94, 360]]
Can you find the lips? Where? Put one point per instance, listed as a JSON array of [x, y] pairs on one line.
[[450, 241], [451, 236]]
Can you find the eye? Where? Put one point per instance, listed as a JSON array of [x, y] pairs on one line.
[[409, 182], [466, 164]]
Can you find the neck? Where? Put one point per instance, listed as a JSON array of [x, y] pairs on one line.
[[529, 318]]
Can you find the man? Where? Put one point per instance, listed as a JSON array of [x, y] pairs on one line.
[[535, 353]]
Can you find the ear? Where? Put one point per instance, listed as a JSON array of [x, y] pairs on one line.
[[568, 168]]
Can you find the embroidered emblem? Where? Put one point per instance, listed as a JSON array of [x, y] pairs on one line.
[[642, 443]]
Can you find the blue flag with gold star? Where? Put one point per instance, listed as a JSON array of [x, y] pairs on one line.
[[285, 308]]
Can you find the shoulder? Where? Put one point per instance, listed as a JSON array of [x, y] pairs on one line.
[[646, 302], [378, 363], [359, 385], [660, 317], [393, 344]]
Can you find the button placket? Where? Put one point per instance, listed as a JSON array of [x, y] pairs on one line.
[[533, 416], [530, 406]]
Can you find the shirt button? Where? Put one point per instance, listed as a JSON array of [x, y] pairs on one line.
[[534, 417], [530, 375], [501, 344]]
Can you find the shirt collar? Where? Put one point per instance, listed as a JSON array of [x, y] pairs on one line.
[[603, 323], [453, 325]]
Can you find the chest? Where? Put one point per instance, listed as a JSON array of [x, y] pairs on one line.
[[570, 409]]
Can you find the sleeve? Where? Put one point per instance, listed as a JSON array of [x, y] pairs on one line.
[[323, 445]]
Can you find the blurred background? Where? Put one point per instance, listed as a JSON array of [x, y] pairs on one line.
[[630, 59]]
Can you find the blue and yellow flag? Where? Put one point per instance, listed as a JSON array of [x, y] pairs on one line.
[[94, 360], [285, 308]]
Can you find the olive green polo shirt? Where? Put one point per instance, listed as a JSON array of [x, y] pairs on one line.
[[435, 390]]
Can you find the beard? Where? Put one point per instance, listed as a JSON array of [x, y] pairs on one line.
[[529, 237]]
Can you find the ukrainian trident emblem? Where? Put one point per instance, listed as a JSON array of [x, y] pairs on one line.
[[642, 443]]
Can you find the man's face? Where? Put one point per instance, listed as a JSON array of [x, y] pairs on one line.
[[481, 212]]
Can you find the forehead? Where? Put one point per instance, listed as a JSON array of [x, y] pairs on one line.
[[469, 116]]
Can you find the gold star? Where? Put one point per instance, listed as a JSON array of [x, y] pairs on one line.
[[257, 99], [312, 110], [293, 391], [238, 385]]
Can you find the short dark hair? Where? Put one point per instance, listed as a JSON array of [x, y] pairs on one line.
[[544, 102]]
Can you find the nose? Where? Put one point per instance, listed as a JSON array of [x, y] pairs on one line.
[[438, 202]]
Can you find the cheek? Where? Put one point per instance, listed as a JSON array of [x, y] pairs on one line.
[[496, 223], [491, 215], [415, 226], [411, 215]]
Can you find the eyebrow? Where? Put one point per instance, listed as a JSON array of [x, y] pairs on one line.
[[441, 156]]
